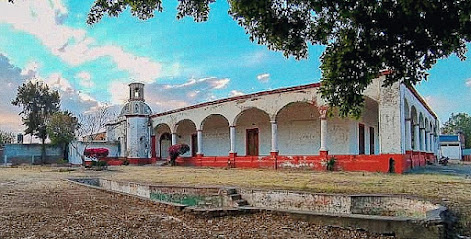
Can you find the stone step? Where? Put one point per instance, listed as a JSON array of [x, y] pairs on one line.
[[231, 191], [242, 202], [235, 197]]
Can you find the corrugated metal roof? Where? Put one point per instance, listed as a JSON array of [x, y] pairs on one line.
[[448, 138]]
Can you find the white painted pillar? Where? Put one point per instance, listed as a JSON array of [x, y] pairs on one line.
[[199, 137], [324, 133], [174, 138], [416, 138], [274, 136], [408, 135], [422, 142], [232, 133]]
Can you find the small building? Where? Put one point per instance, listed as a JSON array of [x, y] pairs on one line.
[[451, 146], [284, 128]]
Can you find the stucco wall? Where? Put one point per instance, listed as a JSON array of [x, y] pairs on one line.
[[216, 138], [30, 153], [76, 150], [138, 137]]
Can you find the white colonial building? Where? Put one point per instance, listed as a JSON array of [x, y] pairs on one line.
[[282, 128]]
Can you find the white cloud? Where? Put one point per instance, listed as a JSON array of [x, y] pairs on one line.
[[235, 93], [468, 82], [263, 77], [220, 84], [85, 79], [45, 19], [118, 91]]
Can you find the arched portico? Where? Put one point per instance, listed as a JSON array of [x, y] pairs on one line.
[[253, 133], [162, 134], [216, 134], [299, 129], [185, 133]]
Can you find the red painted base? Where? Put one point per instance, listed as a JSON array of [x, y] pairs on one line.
[[397, 163]]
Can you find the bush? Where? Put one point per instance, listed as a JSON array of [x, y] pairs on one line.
[[99, 165], [126, 162], [176, 150], [96, 152], [331, 164]]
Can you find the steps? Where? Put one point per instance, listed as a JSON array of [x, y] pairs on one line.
[[236, 198]]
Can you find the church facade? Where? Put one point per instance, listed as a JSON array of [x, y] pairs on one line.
[[284, 128]]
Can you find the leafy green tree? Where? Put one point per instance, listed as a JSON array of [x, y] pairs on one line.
[[460, 122], [61, 128], [406, 37], [39, 103], [6, 137]]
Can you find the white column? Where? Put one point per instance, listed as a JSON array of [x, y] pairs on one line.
[[408, 135], [174, 138], [416, 138], [232, 133], [422, 133], [199, 138], [323, 118], [274, 135]]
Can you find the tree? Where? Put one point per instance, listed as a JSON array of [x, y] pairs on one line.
[[90, 124], [406, 37], [61, 128], [460, 122], [38, 103], [6, 137]]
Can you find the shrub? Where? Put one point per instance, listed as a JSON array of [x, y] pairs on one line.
[[96, 152], [331, 164], [176, 150]]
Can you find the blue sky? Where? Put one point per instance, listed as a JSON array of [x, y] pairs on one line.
[[182, 62]]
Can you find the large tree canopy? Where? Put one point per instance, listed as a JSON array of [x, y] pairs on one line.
[[406, 37], [39, 103], [460, 122]]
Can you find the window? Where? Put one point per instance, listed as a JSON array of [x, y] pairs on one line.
[[361, 139], [372, 140]]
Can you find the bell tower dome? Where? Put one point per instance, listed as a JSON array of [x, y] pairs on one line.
[[136, 92]]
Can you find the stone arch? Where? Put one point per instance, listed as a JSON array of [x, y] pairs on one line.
[[236, 118], [253, 132], [406, 109], [298, 129], [215, 130], [186, 134]]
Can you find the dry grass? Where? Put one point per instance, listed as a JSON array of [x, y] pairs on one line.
[[452, 191]]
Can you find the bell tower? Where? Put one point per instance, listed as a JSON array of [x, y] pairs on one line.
[[136, 92]]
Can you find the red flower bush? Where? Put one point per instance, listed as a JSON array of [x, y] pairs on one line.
[[96, 152], [176, 150]]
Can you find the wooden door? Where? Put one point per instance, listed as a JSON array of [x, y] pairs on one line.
[[194, 145], [252, 142]]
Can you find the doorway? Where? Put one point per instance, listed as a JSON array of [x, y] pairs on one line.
[[194, 145], [165, 142], [252, 142]]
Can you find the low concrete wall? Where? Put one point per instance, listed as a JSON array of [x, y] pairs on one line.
[[30, 153]]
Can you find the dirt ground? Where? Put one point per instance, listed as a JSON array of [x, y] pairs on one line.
[[37, 203]]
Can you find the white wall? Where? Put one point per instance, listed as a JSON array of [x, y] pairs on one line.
[[299, 130], [452, 152], [76, 150], [253, 119], [216, 136], [138, 138]]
